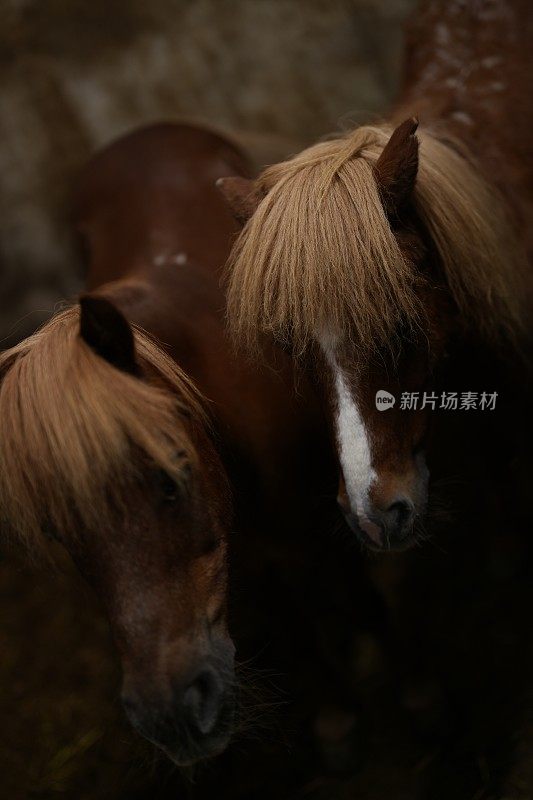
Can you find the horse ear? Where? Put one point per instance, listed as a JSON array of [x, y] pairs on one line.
[[241, 195], [107, 332], [397, 166]]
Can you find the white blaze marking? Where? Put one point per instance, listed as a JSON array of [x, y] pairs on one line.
[[354, 447]]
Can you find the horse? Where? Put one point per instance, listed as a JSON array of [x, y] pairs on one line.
[[123, 417], [106, 448], [383, 254]]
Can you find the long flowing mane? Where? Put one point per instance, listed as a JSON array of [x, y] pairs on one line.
[[74, 429], [319, 253]]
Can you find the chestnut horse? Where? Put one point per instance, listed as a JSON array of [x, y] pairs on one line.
[[107, 445], [379, 251]]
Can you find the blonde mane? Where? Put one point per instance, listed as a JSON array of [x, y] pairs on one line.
[[319, 255], [74, 429]]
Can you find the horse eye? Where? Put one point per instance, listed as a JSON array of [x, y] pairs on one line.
[[169, 488], [172, 490]]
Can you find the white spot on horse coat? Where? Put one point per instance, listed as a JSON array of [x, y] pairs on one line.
[[460, 116], [491, 61], [165, 258]]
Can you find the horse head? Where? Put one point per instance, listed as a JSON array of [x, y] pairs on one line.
[[106, 447], [365, 255]]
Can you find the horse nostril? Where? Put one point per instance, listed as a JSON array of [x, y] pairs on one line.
[[399, 514], [201, 701]]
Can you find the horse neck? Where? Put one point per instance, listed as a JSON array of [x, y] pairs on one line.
[[467, 71], [151, 256], [128, 251]]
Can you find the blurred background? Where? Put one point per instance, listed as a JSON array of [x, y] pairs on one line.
[[75, 74], [275, 75]]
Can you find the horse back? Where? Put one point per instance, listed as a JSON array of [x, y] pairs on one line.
[[467, 74], [157, 233]]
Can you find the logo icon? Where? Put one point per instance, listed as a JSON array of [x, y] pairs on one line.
[[384, 400]]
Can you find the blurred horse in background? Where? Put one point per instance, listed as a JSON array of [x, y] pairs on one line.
[[378, 253]]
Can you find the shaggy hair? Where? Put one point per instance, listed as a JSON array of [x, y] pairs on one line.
[[319, 254], [74, 429]]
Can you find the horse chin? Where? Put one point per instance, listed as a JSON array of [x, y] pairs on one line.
[[213, 746]]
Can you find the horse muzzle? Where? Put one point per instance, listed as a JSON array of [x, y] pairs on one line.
[[390, 529], [191, 717]]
